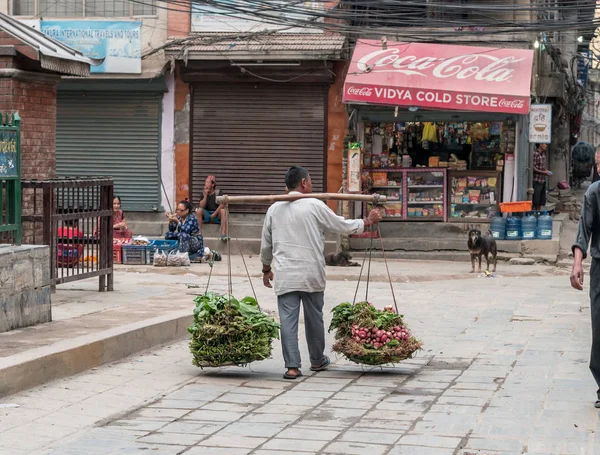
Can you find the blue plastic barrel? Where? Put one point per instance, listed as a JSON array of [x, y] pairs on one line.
[[544, 227], [513, 228], [529, 227], [498, 227]]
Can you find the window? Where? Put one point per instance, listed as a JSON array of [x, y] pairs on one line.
[[84, 8]]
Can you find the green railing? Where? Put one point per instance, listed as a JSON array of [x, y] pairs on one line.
[[10, 179]]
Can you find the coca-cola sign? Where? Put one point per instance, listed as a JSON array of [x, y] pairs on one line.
[[360, 91], [440, 76], [481, 67]]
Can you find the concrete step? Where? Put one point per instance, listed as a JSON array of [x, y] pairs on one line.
[[410, 244], [454, 256], [433, 244], [250, 245]]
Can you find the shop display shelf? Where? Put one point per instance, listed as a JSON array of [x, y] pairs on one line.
[[387, 186], [384, 169], [425, 202], [424, 218], [425, 187]]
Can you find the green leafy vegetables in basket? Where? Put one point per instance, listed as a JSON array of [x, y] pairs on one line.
[[227, 331], [367, 335]]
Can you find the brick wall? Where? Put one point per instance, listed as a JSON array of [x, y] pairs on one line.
[[35, 101], [182, 137], [337, 127], [179, 22]]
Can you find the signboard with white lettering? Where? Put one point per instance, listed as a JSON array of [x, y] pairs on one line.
[[119, 43], [540, 124], [440, 76]]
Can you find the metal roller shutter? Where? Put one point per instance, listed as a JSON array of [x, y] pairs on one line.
[[112, 134], [248, 135]]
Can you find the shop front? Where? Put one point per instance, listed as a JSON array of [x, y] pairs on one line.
[[248, 131], [109, 127], [440, 129]]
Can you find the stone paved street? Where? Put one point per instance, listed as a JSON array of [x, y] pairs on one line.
[[503, 371]]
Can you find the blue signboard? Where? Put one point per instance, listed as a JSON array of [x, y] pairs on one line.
[[118, 42], [8, 152]]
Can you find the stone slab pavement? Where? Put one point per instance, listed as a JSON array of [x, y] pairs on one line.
[[503, 371], [145, 292]]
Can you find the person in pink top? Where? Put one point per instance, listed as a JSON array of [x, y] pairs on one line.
[[120, 229]]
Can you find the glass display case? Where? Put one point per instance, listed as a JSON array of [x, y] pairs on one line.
[[474, 195], [425, 194], [413, 194], [389, 184]]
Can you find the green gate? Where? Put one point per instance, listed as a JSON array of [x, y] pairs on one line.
[[10, 179]]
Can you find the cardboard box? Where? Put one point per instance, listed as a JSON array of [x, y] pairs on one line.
[[434, 161], [380, 178]]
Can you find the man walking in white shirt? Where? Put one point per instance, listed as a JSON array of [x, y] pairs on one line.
[[293, 239]]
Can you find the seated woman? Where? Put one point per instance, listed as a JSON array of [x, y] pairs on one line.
[[183, 226], [120, 229]]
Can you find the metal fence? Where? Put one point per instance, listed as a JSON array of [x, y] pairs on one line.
[[10, 179], [74, 217]]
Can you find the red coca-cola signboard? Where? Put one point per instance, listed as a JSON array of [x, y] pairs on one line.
[[439, 76]]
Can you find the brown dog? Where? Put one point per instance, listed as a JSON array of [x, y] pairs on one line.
[[482, 245], [341, 259]]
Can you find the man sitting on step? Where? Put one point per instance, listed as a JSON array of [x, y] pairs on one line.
[[209, 211]]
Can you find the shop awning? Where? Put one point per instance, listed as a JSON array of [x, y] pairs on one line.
[[437, 76]]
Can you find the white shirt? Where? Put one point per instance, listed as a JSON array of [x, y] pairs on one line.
[[293, 239]]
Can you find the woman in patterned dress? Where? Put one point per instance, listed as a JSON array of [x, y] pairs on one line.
[[183, 226]]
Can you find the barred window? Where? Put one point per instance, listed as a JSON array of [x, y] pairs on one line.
[[83, 8]]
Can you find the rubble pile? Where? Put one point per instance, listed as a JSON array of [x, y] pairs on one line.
[[564, 202]]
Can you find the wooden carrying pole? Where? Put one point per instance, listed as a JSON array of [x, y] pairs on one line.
[[270, 199]]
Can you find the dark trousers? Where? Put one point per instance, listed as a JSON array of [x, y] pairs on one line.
[[595, 310], [539, 194]]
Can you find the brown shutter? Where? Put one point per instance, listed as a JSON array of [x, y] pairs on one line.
[[248, 135]]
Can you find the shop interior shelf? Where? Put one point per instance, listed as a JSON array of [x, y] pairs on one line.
[[426, 186], [485, 204], [387, 186], [424, 218], [425, 202]]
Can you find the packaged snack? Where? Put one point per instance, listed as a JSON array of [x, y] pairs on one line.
[[474, 196], [472, 181]]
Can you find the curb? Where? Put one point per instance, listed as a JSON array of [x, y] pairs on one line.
[[69, 357]]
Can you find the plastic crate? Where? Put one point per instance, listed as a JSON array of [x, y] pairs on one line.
[[515, 207], [163, 245], [117, 253], [134, 254]]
